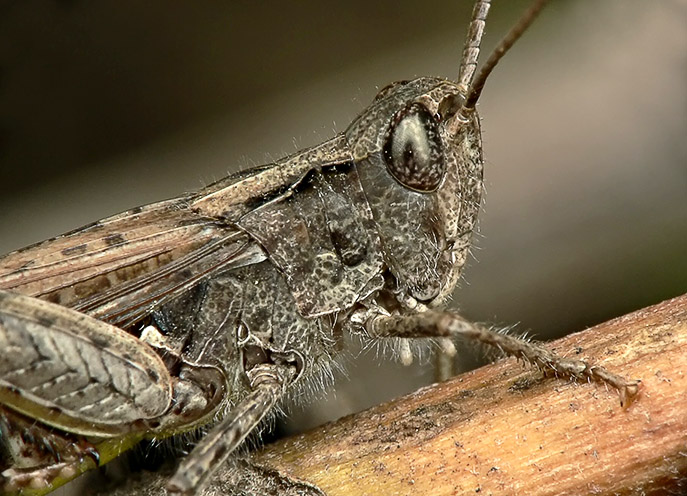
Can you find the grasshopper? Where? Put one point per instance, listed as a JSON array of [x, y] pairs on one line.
[[215, 305]]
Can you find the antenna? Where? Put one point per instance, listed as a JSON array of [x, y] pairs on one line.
[[506, 43], [468, 63]]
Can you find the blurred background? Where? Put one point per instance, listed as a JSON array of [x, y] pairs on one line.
[[108, 105]]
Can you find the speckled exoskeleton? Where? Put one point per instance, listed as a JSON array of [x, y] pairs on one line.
[[214, 305]]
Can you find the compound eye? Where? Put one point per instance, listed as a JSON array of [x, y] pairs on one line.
[[412, 151], [384, 92]]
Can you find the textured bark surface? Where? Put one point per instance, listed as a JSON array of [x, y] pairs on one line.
[[503, 429]]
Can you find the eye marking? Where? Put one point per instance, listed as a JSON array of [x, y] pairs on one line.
[[413, 151]]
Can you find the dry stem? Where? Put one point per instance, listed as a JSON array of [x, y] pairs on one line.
[[503, 429]]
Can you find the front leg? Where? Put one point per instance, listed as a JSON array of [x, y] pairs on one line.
[[267, 382], [446, 324]]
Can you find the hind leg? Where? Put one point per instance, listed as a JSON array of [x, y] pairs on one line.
[[36, 457]]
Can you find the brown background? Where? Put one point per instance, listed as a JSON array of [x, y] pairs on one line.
[[107, 105]]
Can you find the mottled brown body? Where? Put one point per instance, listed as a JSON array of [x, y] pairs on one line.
[[257, 266], [216, 304]]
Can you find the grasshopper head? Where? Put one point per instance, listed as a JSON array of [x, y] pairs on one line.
[[418, 150], [419, 156]]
